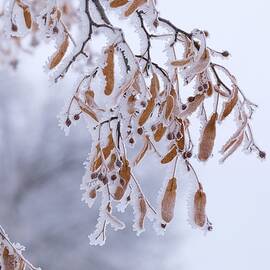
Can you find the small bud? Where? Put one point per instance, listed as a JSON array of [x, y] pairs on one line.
[[131, 141], [205, 86], [143, 103], [94, 175], [184, 106], [200, 88], [163, 226], [262, 154], [68, 122], [170, 136], [153, 128], [14, 27], [105, 180], [93, 194], [113, 177], [225, 54], [206, 33], [191, 99], [140, 131], [76, 117]]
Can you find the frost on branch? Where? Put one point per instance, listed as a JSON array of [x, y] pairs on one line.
[[135, 105], [11, 257]]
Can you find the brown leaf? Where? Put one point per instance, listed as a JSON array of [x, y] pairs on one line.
[[118, 3], [170, 155], [58, 56], [208, 138], [199, 208], [169, 106], [228, 106], [119, 193], [181, 141], [108, 70], [27, 17], [146, 113], [134, 6], [159, 133], [125, 171], [86, 109], [181, 63], [168, 201]]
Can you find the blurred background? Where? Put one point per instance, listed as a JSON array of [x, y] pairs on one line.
[[41, 169]]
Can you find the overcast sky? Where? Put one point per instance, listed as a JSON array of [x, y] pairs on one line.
[[238, 191]]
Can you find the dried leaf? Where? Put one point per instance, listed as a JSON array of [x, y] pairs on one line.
[[108, 70], [199, 208], [181, 63], [168, 201], [118, 3], [159, 133], [86, 109], [228, 106], [134, 6], [58, 56], [125, 171], [170, 155], [181, 141], [146, 113], [208, 138], [169, 106]]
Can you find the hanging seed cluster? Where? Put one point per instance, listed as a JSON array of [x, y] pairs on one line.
[[137, 107]]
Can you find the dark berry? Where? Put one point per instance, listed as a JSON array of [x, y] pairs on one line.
[[184, 106], [225, 54], [68, 122], [76, 117], [191, 99], [140, 131]]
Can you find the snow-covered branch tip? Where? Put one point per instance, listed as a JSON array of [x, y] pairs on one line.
[[11, 257], [136, 105]]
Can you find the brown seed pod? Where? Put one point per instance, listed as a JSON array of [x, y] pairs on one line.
[[108, 70], [154, 87], [8, 260], [59, 55], [27, 17], [134, 6], [125, 171], [143, 209], [170, 155], [146, 113], [118, 3], [229, 106], [199, 208], [193, 106], [119, 193], [208, 138], [142, 153], [168, 201], [93, 194], [159, 133], [169, 106], [180, 142]]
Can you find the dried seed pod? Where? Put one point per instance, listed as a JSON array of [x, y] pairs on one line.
[[93, 194], [8, 260], [125, 171], [118, 3], [108, 70], [146, 113], [168, 201], [58, 56], [27, 17], [134, 6], [170, 155], [143, 210], [142, 153], [154, 87], [119, 193], [160, 131], [228, 106], [169, 106], [192, 106], [208, 138], [199, 208]]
